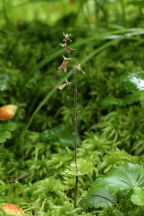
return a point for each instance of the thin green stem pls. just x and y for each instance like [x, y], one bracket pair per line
[76, 129]
[76, 135]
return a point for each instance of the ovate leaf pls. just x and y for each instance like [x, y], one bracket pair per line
[100, 199]
[61, 133]
[124, 177]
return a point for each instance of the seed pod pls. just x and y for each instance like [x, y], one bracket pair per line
[12, 209]
[7, 112]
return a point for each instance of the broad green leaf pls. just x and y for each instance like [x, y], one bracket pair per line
[138, 196]
[127, 177]
[123, 177]
[60, 133]
[4, 80]
[66, 135]
[83, 167]
[101, 199]
[133, 82]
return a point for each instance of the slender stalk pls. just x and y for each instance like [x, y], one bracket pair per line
[76, 135]
[76, 129]
[75, 69]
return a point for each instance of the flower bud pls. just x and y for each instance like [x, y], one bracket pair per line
[7, 112]
[12, 209]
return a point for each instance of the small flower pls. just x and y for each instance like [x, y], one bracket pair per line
[78, 68]
[63, 66]
[7, 112]
[66, 59]
[63, 45]
[68, 83]
[67, 37]
[61, 87]
[67, 48]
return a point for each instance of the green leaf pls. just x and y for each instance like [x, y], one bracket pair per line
[83, 167]
[101, 199]
[133, 82]
[4, 80]
[138, 196]
[122, 178]
[61, 133]
[5, 130]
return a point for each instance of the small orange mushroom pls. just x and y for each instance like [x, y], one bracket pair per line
[12, 209]
[7, 112]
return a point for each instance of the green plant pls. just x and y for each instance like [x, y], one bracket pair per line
[123, 181]
[75, 69]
